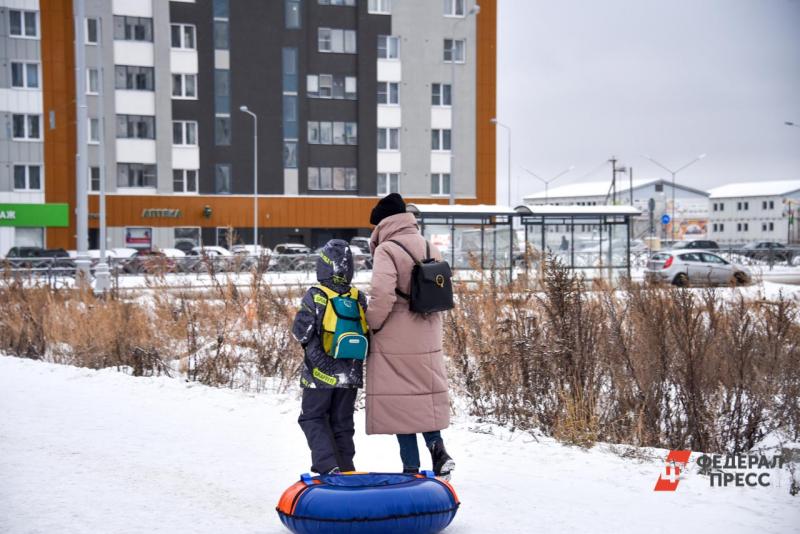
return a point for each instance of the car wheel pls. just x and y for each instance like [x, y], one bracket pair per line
[740, 279]
[681, 280]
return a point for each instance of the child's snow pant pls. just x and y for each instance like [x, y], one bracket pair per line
[326, 418]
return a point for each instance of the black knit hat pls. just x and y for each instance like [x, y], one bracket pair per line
[391, 204]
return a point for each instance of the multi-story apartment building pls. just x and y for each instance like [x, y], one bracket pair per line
[23, 213]
[353, 99]
[750, 211]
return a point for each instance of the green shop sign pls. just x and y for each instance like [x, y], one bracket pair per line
[34, 215]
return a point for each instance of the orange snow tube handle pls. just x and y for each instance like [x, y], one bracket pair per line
[289, 499]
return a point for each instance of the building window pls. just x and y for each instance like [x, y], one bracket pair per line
[441, 94]
[25, 127]
[381, 7]
[440, 184]
[94, 179]
[221, 35]
[721, 206]
[27, 177]
[388, 138]
[772, 204]
[454, 50]
[136, 127]
[331, 86]
[184, 133]
[91, 31]
[289, 117]
[771, 227]
[388, 93]
[440, 139]
[183, 36]
[222, 91]
[222, 178]
[454, 8]
[388, 183]
[136, 175]
[133, 28]
[332, 179]
[332, 133]
[134, 78]
[187, 238]
[23, 23]
[292, 14]
[290, 154]
[337, 2]
[222, 130]
[221, 10]
[290, 70]
[388, 47]
[24, 75]
[184, 86]
[94, 131]
[336, 40]
[184, 180]
[721, 227]
[714, 226]
[92, 81]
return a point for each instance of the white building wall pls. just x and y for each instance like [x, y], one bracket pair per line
[731, 224]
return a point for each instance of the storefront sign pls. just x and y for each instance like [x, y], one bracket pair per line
[161, 213]
[34, 215]
[139, 237]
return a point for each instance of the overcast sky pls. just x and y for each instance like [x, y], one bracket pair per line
[582, 80]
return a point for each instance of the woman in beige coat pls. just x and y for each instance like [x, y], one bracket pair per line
[406, 376]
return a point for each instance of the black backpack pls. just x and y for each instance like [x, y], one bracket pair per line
[431, 284]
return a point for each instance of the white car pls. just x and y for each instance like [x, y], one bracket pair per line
[695, 267]
[211, 251]
[251, 250]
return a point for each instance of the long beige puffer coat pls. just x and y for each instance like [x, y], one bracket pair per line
[406, 376]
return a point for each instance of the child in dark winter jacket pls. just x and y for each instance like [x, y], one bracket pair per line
[330, 385]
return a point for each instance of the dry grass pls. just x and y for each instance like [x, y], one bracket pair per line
[641, 365]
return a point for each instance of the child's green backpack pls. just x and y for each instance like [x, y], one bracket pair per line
[344, 326]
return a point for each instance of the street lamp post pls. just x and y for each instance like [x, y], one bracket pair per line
[508, 129]
[547, 182]
[473, 11]
[673, 173]
[245, 109]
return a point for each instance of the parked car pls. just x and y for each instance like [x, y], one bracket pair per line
[698, 267]
[245, 257]
[292, 257]
[40, 258]
[147, 261]
[696, 244]
[202, 259]
[768, 251]
[360, 242]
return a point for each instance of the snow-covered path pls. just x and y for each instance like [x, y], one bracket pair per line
[88, 451]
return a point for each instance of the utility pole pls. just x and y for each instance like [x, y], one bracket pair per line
[82, 262]
[613, 161]
[102, 282]
[630, 182]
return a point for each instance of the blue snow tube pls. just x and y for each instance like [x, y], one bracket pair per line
[362, 503]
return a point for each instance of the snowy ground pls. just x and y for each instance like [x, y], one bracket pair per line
[88, 451]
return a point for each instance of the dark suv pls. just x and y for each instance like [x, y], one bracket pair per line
[702, 244]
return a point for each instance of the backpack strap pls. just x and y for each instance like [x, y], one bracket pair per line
[399, 293]
[399, 244]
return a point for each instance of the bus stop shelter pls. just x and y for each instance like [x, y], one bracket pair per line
[470, 237]
[593, 239]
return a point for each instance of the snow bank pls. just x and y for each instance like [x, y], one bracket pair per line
[99, 451]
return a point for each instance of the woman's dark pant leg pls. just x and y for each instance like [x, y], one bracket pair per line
[409, 453]
[343, 427]
[314, 420]
[431, 438]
